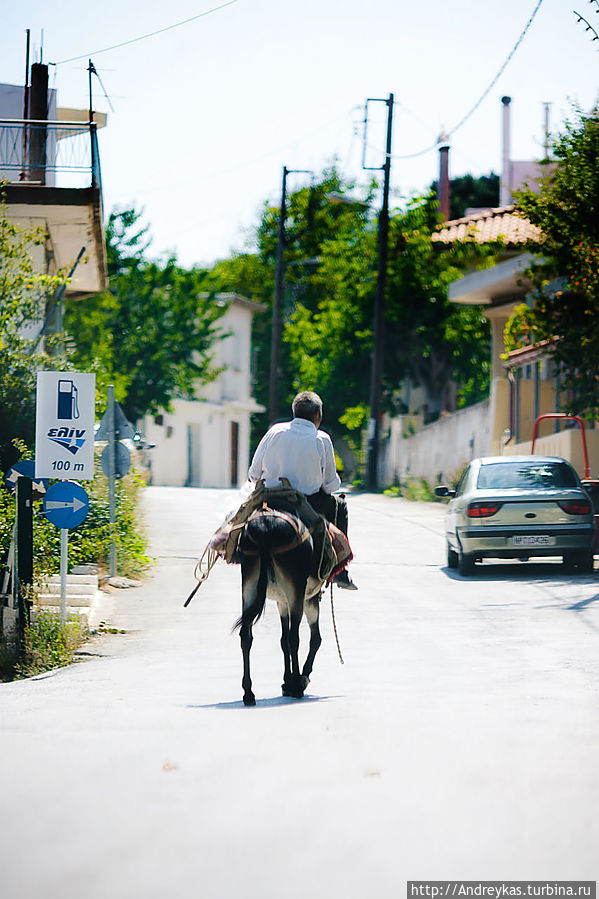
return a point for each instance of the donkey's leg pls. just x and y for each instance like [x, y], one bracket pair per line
[246, 644]
[312, 610]
[250, 573]
[297, 684]
[284, 615]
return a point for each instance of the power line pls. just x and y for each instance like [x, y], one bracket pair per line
[143, 37]
[483, 95]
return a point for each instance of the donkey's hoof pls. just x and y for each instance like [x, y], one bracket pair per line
[295, 686]
[249, 699]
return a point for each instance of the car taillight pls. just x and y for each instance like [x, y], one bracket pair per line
[579, 508]
[483, 510]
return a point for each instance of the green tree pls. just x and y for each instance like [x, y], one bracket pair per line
[565, 308]
[469, 191]
[330, 282]
[427, 338]
[24, 293]
[152, 332]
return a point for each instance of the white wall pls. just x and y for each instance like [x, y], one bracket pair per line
[437, 451]
[193, 442]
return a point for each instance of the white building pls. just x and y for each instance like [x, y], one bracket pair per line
[205, 442]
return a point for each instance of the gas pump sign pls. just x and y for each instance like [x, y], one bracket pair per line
[64, 426]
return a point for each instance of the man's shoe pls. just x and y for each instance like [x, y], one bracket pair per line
[343, 580]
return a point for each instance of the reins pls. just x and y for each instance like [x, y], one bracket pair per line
[335, 627]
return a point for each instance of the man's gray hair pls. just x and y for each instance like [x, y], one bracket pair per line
[307, 404]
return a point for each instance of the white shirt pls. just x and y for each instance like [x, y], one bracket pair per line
[296, 450]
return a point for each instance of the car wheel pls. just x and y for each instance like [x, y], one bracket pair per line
[465, 563]
[452, 557]
[585, 561]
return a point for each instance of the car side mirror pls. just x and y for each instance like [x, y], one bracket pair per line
[444, 491]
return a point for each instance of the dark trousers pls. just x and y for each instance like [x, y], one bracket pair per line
[334, 508]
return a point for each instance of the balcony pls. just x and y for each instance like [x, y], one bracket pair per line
[51, 174]
[50, 153]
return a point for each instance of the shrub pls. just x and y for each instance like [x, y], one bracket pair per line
[414, 489]
[90, 541]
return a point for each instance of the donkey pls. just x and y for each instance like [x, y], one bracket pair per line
[281, 560]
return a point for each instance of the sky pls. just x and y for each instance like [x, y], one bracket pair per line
[206, 114]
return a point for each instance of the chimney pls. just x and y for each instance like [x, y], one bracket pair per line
[38, 110]
[547, 136]
[505, 187]
[443, 194]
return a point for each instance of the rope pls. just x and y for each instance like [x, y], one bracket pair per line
[202, 570]
[335, 628]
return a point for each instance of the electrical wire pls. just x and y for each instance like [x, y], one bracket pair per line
[482, 96]
[143, 37]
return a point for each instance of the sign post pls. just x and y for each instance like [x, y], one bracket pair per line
[66, 505]
[64, 449]
[64, 425]
[115, 459]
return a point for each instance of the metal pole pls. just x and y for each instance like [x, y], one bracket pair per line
[23, 176]
[64, 563]
[111, 476]
[379, 316]
[275, 344]
[23, 556]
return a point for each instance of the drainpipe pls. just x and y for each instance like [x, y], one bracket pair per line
[505, 192]
[444, 179]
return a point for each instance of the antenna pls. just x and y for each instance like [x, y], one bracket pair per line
[93, 71]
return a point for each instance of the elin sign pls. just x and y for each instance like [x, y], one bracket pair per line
[64, 426]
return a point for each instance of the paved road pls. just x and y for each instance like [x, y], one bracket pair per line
[459, 740]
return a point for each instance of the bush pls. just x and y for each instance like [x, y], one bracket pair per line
[47, 644]
[414, 489]
[90, 542]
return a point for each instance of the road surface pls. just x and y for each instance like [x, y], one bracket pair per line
[459, 740]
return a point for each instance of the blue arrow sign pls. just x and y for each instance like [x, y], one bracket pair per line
[66, 504]
[26, 469]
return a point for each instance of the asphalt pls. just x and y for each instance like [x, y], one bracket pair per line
[459, 739]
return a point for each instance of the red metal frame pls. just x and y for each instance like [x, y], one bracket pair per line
[564, 415]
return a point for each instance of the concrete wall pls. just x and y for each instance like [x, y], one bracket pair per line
[567, 444]
[439, 450]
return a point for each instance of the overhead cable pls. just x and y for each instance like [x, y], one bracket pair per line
[143, 37]
[482, 96]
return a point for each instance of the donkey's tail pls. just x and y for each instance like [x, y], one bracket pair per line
[255, 610]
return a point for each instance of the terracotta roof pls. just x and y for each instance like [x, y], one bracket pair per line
[526, 354]
[488, 225]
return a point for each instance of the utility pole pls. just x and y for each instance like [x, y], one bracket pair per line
[275, 343]
[376, 372]
[277, 305]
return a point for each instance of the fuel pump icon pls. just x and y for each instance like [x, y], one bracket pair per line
[68, 402]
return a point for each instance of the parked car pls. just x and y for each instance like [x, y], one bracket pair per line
[515, 507]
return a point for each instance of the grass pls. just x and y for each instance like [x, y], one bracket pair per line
[414, 489]
[47, 643]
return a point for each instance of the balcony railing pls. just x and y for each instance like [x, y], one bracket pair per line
[56, 154]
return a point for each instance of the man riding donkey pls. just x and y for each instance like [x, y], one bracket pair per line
[298, 451]
[289, 536]
[293, 468]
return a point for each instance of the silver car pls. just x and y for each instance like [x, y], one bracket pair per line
[515, 507]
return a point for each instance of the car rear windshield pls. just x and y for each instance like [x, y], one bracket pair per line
[504, 475]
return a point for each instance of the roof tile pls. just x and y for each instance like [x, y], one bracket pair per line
[488, 225]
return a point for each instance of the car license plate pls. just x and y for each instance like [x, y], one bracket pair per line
[537, 540]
